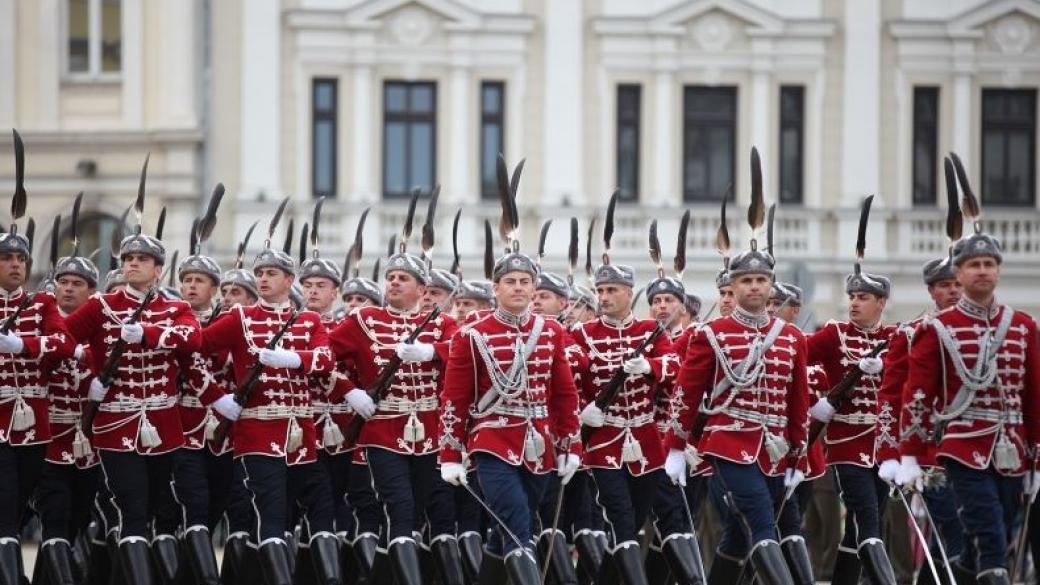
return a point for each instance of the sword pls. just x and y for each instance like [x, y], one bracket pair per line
[552, 535]
[1020, 542]
[693, 528]
[938, 540]
[494, 516]
[918, 531]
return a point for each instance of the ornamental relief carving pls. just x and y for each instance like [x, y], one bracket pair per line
[1014, 34]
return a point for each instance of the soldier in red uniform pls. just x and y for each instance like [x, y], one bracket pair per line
[473, 296]
[64, 497]
[138, 428]
[440, 292]
[972, 387]
[724, 282]
[624, 449]
[851, 436]
[275, 442]
[399, 432]
[31, 345]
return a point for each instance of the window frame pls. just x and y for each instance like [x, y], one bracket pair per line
[623, 122]
[919, 127]
[732, 125]
[409, 117]
[1006, 127]
[325, 116]
[94, 72]
[797, 124]
[486, 118]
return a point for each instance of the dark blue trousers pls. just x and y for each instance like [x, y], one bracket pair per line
[365, 508]
[20, 469]
[441, 514]
[65, 498]
[275, 486]
[864, 495]
[942, 506]
[988, 504]
[581, 511]
[513, 493]
[337, 469]
[239, 512]
[469, 516]
[753, 499]
[669, 510]
[201, 485]
[402, 484]
[626, 500]
[141, 492]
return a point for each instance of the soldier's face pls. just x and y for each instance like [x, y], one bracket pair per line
[751, 292]
[463, 307]
[514, 291]
[198, 290]
[615, 300]
[71, 292]
[273, 284]
[141, 270]
[319, 293]
[946, 293]
[865, 308]
[726, 301]
[402, 291]
[666, 307]
[355, 301]
[13, 267]
[788, 312]
[435, 296]
[236, 295]
[548, 303]
[979, 276]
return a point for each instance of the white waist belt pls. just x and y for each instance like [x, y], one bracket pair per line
[769, 420]
[8, 393]
[276, 412]
[611, 420]
[857, 418]
[136, 404]
[427, 404]
[532, 411]
[984, 414]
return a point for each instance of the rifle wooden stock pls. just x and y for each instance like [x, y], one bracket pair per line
[9, 323]
[245, 389]
[379, 388]
[108, 371]
[606, 396]
[840, 392]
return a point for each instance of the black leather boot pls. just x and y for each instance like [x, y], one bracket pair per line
[656, 566]
[561, 567]
[291, 547]
[522, 568]
[590, 554]
[961, 575]
[447, 560]
[11, 572]
[365, 553]
[348, 565]
[135, 557]
[231, 566]
[167, 558]
[57, 557]
[303, 566]
[492, 570]
[471, 549]
[796, 554]
[768, 562]
[846, 568]
[994, 577]
[628, 559]
[274, 562]
[725, 570]
[404, 561]
[875, 562]
[198, 548]
[39, 572]
[325, 556]
[99, 562]
[116, 576]
[683, 557]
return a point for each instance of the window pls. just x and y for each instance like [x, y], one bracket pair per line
[409, 136]
[323, 137]
[709, 142]
[95, 239]
[792, 143]
[1009, 146]
[628, 110]
[926, 139]
[95, 37]
[492, 135]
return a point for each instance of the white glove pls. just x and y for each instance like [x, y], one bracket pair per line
[823, 410]
[675, 466]
[871, 365]
[415, 352]
[132, 332]
[637, 366]
[566, 466]
[454, 473]
[793, 477]
[79, 353]
[228, 407]
[910, 473]
[888, 470]
[11, 343]
[1031, 484]
[592, 416]
[280, 358]
[361, 402]
[97, 390]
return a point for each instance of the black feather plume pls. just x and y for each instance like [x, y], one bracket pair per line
[391, 246]
[55, 239]
[508, 222]
[193, 237]
[240, 255]
[680, 248]
[304, 235]
[30, 233]
[315, 220]
[588, 249]
[428, 225]
[160, 226]
[970, 206]
[489, 254]
[375, 269]
[769, 229]
[608, 226]
[757, 208]
[20, 199]
[74, 224]
[572, 252]
[954, 217]
[409, 220]
[287, 245]
[119, 232]
[456, 264]
[273, 224]
[655, 249]
[358, 247]
[861, 232]
[139, 202]
[542, 235]
[209, 219]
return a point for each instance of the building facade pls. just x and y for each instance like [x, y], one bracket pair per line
[362, 100]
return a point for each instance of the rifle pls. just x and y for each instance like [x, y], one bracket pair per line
[839, 393]
[245, 389]
[13, 318]
[606, 396]
[108, 371]
[382, 383]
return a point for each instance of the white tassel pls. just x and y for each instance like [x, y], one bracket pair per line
[80, 444]
[414, 430]
[332, 436]
[211, 425]
[149, 436]
[295, 436]
[631, 451]
[24, 418]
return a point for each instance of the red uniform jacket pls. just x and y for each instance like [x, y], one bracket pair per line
[279, 405]
[851, 436]
[144, 387]
[696, 465]
[368, 337]
[68, 385]
[819, 385]
[777, 400]
[331, 412]
[23, 377]
[629, 438]
[537, 407]
[890, 396]
[202, 380]
[1003, 414]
